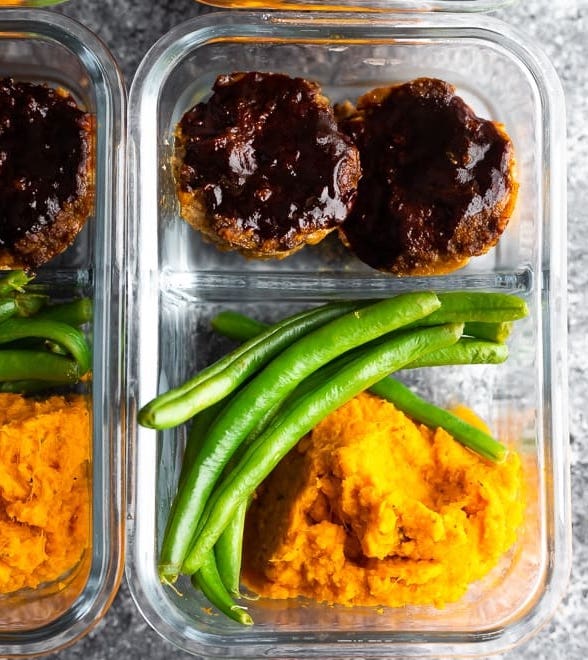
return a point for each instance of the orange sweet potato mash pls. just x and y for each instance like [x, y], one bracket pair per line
[44, 488]
[373, 509]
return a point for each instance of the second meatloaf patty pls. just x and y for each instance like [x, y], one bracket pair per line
[262, 168]
[438, 186]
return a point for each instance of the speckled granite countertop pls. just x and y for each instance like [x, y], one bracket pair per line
[129, 27]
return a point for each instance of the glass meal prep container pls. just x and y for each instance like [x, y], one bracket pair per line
[179, 282]
[30, 3]
[364, 5]
[44, 47]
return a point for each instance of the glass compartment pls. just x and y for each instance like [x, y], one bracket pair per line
[48, 48]
[179, 282]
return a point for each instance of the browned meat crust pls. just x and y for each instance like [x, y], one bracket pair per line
[46, 172]
[262, 168]
[438, 185]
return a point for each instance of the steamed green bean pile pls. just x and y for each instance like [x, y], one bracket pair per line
[41, 343]
[251, 407]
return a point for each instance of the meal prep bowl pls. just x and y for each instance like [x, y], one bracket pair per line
[179, 282]
[40, 46]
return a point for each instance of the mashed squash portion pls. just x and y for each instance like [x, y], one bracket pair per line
[44, 488]
[373, 509]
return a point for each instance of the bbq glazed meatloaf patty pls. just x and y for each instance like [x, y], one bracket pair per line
[438, 185]
[262, 168]
[46, 172]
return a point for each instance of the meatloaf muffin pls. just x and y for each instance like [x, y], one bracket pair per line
[46, 172]
[437, 187]
[262, 168]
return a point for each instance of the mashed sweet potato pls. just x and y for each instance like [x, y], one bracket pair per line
[372, 509]
[44, 488]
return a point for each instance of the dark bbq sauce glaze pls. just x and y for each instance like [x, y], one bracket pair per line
[437, 184]
[268, 155]
[41, 149]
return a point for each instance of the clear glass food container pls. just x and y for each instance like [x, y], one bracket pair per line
[364, 5]
[41, 46]
[30, 3]
[179, 282]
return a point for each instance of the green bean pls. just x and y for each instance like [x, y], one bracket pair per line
[468, 306]
[486, 316]
[221, 378]
[75, 312]
[291, 424]
[7, 308]
[227, 360]
[21, 304]
[24, 365]
[198, 430]
[29, 304]
[498, 332]
[14, 281]
[466, 351]
[228, 550]
[207, 579]
[235, 325]
[71, 339]
[267, 389]
[229, 547]
[426, 413]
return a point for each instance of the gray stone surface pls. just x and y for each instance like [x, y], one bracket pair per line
[129, 27]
